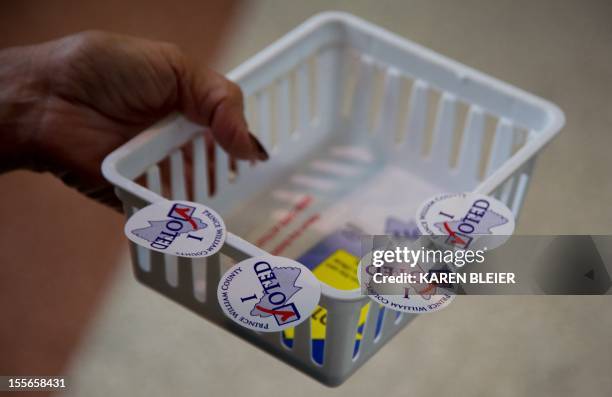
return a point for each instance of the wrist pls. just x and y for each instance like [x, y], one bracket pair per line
[21, 93]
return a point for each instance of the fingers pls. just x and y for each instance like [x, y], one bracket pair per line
[230, 130]
[208, 98]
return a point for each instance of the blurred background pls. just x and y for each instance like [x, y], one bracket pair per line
[69, 302]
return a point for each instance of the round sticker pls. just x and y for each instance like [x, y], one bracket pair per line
[180, 228]
[465, 221]
[413, 298]
[268, 294]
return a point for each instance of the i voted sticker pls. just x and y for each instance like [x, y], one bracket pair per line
[414, 298]
[180, 228]
[268, 294]
[465, 221]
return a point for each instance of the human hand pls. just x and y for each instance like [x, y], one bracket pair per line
[66, 104]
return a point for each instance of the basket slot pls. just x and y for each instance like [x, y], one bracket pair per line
[141, 254]
[362, 96]
[370, 336]
[301, 341]
[505, 191]
[519, 193]
[376, 97]
[213, 275]
[185, 278]
[200, 169]
[348, 82]
[157, 276]
[154, 179]
[303, 98]
[471, 144]
[443, 131]
[512, 191]
[417, 117]
[521, 185]
[140, 258]
[271, 338]
[313, 72]
[177, 176]
[171, 269]
[198, 270]
[327, 66]
[389, 110]
[390, 321]
[264, 130]
[398, 318]
[342, 320]
[283, 111]
[502, 145]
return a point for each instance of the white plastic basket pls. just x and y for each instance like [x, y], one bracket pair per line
[341, 105]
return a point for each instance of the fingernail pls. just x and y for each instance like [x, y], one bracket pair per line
[262, 154]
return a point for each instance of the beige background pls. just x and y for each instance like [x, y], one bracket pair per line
[142, 344]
